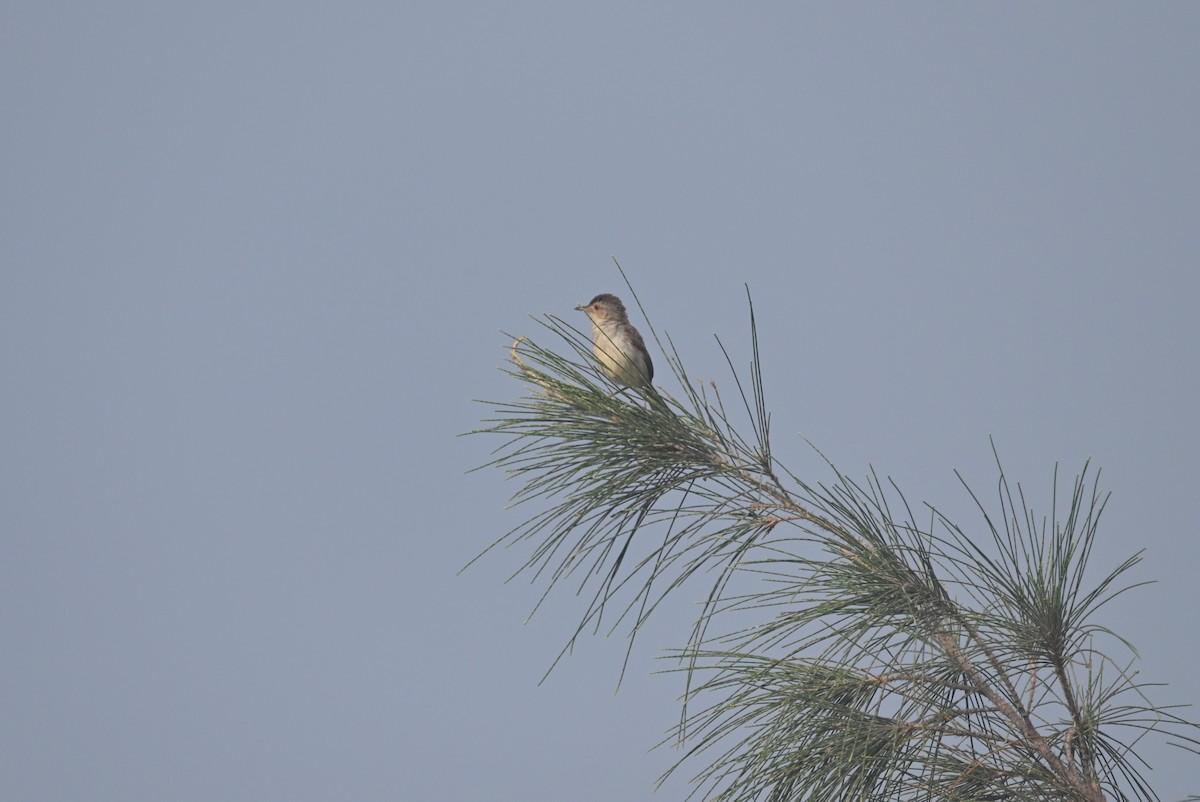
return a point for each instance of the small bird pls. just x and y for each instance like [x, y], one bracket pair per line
[617, 345]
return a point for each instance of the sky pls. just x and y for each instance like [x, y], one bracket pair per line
[256, 260]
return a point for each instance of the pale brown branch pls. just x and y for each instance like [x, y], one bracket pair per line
[1089, 789]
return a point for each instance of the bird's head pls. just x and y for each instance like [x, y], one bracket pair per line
[604, 307]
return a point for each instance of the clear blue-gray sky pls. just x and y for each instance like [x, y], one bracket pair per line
[254, 259]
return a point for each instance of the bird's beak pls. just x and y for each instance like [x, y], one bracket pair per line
[581, 309]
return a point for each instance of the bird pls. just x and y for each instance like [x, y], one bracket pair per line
[616, 344]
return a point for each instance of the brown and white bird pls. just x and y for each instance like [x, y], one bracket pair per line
[617, 345]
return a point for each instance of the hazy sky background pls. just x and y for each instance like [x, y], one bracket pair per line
[254, 262]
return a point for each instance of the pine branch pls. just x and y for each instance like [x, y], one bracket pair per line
[886, 659]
